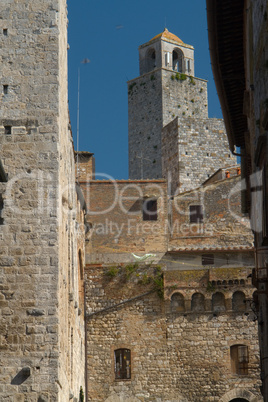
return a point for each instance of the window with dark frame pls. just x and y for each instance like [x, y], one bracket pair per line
[1, 209]
[239, 359]
[122, 364]
[149, 209]
[7, 130]
[5, 31]
[5, 89]
[208, 259]
[196, 214]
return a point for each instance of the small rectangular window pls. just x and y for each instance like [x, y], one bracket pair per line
[149, 209]
[122, 364]
[5, 89]
[196, 214]
[1, 209]
[239, 359]
[8, 130]
[208, 259]
[5, 31]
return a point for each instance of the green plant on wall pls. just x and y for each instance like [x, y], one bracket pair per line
[158, 281]
[131, 86]
[192, 81]
[130, 269]
[210, 287]
[145, 279]
[180, 77]
[112, 272]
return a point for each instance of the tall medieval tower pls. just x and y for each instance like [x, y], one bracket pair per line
[166, 92]
[41, 329]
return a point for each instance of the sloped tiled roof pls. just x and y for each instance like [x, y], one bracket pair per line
[167, 35]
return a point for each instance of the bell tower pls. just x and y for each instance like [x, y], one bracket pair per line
[166, 92]
[166, 51]
[154, 99]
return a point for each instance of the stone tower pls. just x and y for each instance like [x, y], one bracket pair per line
[165, 90]
[41, 325]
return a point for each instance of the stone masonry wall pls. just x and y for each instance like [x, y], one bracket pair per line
[154, 100]
[178, 356]
[223, 224]
[183, 96]
[192, 150]
[145, 123]
[37, 153]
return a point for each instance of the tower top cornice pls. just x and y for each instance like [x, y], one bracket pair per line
[167, 35]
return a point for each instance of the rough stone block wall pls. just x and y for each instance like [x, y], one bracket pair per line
[185, 97]
[36, 151]
[193, 149]
[223, 223]
[154, 100]
[145, 123]
[180, 356]
[115, 213]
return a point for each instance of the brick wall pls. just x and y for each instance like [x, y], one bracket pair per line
[115, 213]
[193, 149]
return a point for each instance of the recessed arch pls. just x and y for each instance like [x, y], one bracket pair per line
[150, 59]
[198, 302]
[178, 60]
[177, 303]
[240, 393]
[218, 302]
[239, 301]
[239, 400]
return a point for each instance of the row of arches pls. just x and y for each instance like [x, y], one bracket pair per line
[228, 283]
[218, 302]
[177, 62]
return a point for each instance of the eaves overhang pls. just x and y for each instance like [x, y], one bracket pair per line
[225, 34]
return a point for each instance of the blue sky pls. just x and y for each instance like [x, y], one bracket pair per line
[108, 33]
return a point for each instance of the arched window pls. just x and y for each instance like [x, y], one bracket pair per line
[239, 400]
[150, 59]
[218, 302]
[238, 301]
[198, 302]
[178, 60]
[177, 303]
[239, 359]
[81, 269]
[122, 364]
